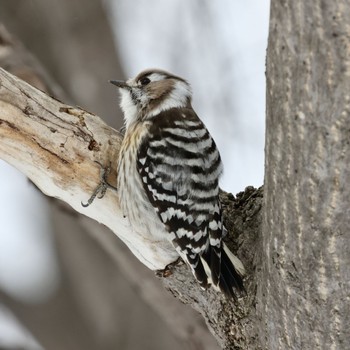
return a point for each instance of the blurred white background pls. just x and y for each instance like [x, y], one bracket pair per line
[219, 47]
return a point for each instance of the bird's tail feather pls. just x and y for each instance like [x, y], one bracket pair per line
[232, 273]
[226, 275]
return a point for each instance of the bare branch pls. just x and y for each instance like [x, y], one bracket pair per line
[56, 147]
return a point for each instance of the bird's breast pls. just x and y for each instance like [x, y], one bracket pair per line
[133, 199]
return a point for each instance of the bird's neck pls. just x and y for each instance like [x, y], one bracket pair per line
[178, 97]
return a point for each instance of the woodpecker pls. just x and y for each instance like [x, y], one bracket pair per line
[168, 178]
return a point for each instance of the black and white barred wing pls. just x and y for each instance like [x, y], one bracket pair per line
[180, 165]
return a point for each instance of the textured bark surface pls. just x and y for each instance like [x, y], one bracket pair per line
[39, 132]
[303, 301]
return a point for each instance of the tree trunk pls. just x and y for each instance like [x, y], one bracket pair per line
[303, 294]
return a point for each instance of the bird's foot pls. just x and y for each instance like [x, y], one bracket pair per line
[102, 187]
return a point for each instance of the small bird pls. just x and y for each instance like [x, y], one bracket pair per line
[168, 178]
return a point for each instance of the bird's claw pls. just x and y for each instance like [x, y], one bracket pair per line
[102, 187]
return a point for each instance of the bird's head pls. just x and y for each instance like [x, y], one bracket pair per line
[151, 92]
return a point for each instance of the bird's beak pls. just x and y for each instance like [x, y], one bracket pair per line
[120, 83]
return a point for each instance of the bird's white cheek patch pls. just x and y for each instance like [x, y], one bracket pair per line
[128, 107]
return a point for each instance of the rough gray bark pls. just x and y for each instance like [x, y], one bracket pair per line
[304, 286]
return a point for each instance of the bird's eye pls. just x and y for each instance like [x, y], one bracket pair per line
[145, 81]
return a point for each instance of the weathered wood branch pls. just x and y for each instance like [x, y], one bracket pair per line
[56, 146]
